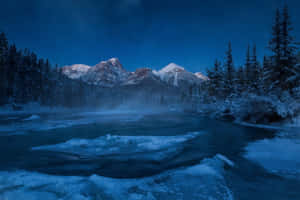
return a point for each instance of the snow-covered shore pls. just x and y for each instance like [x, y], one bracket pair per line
[255, 110]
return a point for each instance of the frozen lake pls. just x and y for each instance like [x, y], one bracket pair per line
[143, 156]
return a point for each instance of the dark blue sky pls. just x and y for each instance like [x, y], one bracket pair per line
[150, 33]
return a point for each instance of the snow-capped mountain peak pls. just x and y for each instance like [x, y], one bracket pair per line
[177, 76]
[114, 62]
[111, 73]
[75, 71]
[107, 73]
[172, 67]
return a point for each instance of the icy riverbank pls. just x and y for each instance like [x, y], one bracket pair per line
[205, 181]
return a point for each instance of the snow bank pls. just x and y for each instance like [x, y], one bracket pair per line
[278, 155]
[151, 147]
[199, 182]
[254, 109]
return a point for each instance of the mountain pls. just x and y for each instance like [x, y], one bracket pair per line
[111, 73]
[177, 76]
[106, 73]
[75, 71]
[142, 76]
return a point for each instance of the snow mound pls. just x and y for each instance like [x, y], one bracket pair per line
[32, 117]
[278, 155]
[205, 181]
[148, 147]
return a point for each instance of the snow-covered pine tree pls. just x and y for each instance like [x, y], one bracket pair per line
[241, 81]
[266, 74]
[219, 77]
[216, 80]
[211, 85]
[288, 48]
[229, 71]
[275, 47]
[255, 71]
[248, 71]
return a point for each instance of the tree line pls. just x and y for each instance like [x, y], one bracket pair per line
[278, 74]
[26, 78]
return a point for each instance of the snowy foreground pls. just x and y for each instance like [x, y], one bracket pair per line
[205, 181]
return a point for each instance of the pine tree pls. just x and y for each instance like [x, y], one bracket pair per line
[3, 68]
[12, 72]
[283, 72]
[266, 74]
[248, 70]
[289, 59]
[255, 70]
[241, 81]
[229, 71]
[275, 43]
[216, 77]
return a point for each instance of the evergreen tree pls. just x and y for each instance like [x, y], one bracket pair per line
[229, 71]
[248, 70]
[275, 43]
[3, 68]
[283, 71]
[12, 72]
[255, 70]
[289, 59]
[241, 81]
[266, 74]
[216, 78]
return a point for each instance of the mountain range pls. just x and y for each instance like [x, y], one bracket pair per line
[111, 73]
